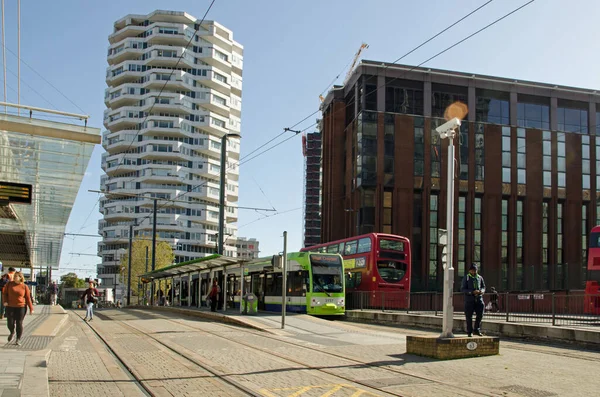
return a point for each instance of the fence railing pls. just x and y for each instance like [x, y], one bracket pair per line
[557, 308]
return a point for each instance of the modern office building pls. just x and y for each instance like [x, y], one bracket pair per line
[174, 90]
[311, 148]
[527, 181]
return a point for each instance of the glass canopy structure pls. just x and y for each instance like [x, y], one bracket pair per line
[52, 157]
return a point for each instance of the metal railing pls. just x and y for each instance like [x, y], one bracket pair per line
[555, 308]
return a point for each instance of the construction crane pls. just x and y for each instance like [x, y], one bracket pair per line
[363, 46]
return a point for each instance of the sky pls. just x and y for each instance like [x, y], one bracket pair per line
[292, 52]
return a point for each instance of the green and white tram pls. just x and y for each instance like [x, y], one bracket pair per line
[315, 284]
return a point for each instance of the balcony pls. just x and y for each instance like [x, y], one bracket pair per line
[218, 36]
[162, 175]
[127, 31]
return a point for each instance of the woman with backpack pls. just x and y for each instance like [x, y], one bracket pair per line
[90, 297]
[16, 299]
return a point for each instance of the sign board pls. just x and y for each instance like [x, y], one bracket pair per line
[355, 263]
[523, 297]
[15, 192]
[538, 296]
[471, 346]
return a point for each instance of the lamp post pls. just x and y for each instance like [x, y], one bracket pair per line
[447, 130]
[222, 188]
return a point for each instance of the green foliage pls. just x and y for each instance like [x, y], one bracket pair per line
[164, 258]
[70, 280]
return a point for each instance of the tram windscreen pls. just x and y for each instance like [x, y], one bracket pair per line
[327, 272]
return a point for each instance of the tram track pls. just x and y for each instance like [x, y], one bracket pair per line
[354, 361]
[141, 383]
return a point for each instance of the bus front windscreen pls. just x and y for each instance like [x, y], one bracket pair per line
[391, 271]
[595, 240]
[327, 272]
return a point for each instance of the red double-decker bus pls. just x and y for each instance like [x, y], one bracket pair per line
[377, 263]
[592, 285]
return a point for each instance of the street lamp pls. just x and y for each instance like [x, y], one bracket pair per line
[448, 130]
[222, 188]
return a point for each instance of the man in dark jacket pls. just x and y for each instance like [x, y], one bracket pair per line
[473, 287]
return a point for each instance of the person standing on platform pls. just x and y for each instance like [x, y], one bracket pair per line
[16, 298]
[214, 296]
[473, 287]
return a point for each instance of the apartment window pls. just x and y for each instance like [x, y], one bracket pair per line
[572, 120]
[433, 240]
[545, 249]
[492, 107]
[217, 122]
[520, 257]
[521, 156]
[436, 149]
[506, 155]
[444, 96]
[388, 145]
[562, 159]
[504, 248]
[419, 159]
[370, 92]
[387, 212]
[219, 100]
[462, 234]
[463, 140]
[220, 77]
[477, 223]
[221, 55]
[559, 283]
[547, 160]
[367, 211]
[366, 156]
[585, 162]
[479, 153]
[533, 115]
[584, 243]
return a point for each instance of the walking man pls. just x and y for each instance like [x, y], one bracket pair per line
[473, 287]
[53, 293]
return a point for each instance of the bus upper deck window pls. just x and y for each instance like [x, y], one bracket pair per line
[364, 245]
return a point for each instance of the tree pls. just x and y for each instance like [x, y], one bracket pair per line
[164, 257]
[70, 280]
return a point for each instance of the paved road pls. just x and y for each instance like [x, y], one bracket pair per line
[174, 355]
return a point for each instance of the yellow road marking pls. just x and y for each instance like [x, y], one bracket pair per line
[332, 391]
[299, 392]
[358, 393]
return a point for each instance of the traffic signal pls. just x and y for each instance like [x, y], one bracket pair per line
[276, 261]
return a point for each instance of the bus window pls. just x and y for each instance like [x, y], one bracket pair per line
[353, 279]
[364, 245]
[595, 240]
[391, 245]
[391, 271]
[350, 247]
[333, 249]
[341, 248]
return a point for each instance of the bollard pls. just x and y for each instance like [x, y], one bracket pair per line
[553, 310]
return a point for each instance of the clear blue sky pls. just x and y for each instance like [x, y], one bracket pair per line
[292, 52]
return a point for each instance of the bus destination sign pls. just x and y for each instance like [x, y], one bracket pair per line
[15, 192]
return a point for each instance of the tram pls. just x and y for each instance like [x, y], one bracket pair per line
[315, 283]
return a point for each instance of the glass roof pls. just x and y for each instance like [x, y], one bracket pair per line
[52, 157]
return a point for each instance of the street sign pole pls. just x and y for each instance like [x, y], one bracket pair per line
[284, 281]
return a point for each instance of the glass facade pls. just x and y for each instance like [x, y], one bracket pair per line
[366, 156]
[547, 159]
[417, 239]
[572, 120]
[561, 155]
[436, 150]
[585, 162]
[477, 224]
[506, 155]
[585, 229]
[479, 153]
[444, 96]
[388, 146]
[533, 115]
[54, 167]
[492, 107]
[521, 156]
[463, 140]
[433, 241]
[402, 99]
[545, 249]
[419, 159]
[520, 282]
[560, 276]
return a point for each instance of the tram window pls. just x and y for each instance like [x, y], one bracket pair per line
[273, 287]
[364, 245]
[297, 283]
[351, 247]
[353, 279]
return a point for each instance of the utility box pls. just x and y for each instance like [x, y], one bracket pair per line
[250, 304]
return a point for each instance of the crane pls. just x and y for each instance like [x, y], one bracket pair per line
[363, 46]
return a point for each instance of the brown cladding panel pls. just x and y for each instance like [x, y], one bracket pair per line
[403, 175]
[492, 203]
[380, 174]
[532, 217]
[572, 216]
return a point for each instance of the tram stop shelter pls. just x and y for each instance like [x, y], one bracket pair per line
[42, 164]
[188, 283]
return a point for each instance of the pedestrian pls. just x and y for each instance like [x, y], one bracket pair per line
[473, 287]
[90, 297]
[493, 305]
[16, 298]
[214, 296]
[53, 293]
